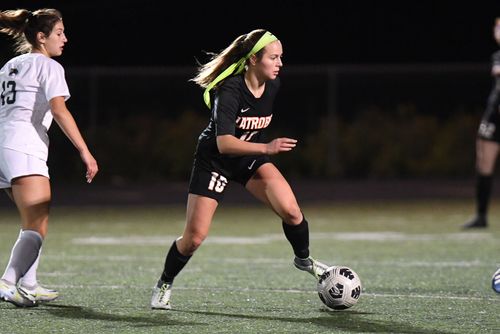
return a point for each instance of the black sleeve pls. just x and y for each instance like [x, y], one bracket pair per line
[225, 109]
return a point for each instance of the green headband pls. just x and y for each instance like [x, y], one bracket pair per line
[237, 68]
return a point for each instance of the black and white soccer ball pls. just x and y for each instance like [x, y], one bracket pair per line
[339, 287]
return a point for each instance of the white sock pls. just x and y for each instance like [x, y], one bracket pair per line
[24, 254]
[29, 279]
[10, 275]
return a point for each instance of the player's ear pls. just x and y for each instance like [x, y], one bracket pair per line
[40, 37]
[253, 60]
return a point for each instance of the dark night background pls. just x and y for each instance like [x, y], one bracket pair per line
[116, 33]
[372, 89]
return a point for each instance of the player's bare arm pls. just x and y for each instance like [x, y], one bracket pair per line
[228, 144]
[68, 125]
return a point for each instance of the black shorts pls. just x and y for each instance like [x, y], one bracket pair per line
[210, 178]
[489, 128]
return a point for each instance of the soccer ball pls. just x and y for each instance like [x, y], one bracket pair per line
[339, 287]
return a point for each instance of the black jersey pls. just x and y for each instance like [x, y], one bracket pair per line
[494, 97]
[489, 128]
[236, 111]
[495, 59]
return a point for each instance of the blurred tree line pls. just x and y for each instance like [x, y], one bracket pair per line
[362, 124]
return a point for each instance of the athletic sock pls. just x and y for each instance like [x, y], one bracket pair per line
[484, 185]
[298, 236]
[23, 255]
[30, 278]
[174, 262]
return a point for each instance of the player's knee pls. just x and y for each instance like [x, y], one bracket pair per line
[483, 168]
[38, 225]
[195, 243]
[292, 215]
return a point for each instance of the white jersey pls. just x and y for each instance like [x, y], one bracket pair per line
[27, 83]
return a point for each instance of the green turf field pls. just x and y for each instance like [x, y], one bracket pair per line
[420, 273]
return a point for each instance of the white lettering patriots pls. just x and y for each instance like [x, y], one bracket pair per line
[253, 123]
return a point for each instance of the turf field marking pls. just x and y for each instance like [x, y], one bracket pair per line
[274, 261]
[389, 295]
[297, 291]
[267, 238]
[400, 236]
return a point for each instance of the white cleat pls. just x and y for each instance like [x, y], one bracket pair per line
[310, 265]
[10, 293]
[161, 296]
[38, 293]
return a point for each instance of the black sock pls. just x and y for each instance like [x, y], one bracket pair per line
[298, 236]
[174, 262]
[484, 185]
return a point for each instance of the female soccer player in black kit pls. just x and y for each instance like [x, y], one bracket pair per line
[240, 83]
[487, 143]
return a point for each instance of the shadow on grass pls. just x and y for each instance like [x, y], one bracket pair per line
[349, 321]
[157, 318]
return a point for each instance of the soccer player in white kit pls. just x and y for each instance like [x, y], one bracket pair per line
[33, 92]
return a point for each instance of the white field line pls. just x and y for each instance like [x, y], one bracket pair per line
[258, 261]
[238, 289]
[268, 238]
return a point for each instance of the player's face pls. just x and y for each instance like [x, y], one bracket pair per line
[270, 63]
[54, 44]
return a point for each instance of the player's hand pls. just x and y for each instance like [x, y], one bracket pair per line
[91, 165]
[280, 145]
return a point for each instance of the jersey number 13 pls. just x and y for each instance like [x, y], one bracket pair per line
[8, 88]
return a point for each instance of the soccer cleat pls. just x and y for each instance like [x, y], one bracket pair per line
[38, 293]
[310, 265]
[495, 281]
[477, 222]
[10, 293]
[161, 296]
